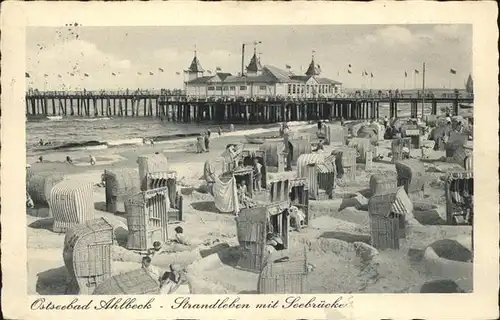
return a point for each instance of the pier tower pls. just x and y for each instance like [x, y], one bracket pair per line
[254, 68]
[314, 69]
[195, 70]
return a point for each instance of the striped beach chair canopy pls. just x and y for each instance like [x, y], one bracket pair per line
[71, 203]
[391, 201]
[460, 186]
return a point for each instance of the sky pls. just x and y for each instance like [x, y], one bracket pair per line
[386, 51]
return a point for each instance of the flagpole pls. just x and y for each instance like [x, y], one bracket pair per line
[423, 89]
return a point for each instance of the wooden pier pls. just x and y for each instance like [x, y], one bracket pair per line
[182, 109]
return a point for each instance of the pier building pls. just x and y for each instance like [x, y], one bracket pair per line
[260, 82]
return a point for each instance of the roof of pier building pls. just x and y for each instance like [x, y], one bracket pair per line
[314, 69]
[266, 74]
[195, 65]
[254, 65]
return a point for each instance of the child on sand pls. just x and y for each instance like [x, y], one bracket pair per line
[153, 271]
[180, 237]
[155, 249]
[171, 280]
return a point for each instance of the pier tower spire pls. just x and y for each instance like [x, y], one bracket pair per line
[254, 68]
[195, 70]
[313, 69]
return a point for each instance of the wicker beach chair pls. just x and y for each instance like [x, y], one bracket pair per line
[248, 157]
[87, 255]
[275, 154]
[150, 163]
[253, 225]
[388, 211]
[362, 146]
[334, 134]
[71, 202]
[459, 191]
[413, 132]
[167, 179]
[454, 148]
[284, 276]
[294, 149]
[39, 185]
[319, 173]
[397, 146]
[380, 183]
[135, 282]
[285, 186]
[147, 218]
[345, 162]
[411, 175]
[120, 185]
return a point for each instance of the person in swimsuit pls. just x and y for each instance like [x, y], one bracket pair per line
[257, 174]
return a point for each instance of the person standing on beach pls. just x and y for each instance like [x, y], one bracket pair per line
[231, 127]
[257, 174]
[207, 141]
[209, 132]
[220, 131]
[92, 160]
[199, 144]
[40, 159]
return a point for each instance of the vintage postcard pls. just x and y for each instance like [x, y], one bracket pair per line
[249, 160]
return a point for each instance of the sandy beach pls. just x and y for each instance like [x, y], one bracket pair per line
[210, 262]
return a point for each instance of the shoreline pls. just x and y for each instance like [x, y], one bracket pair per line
[180, 154]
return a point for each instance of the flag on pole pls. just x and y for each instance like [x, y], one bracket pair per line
[416, 71]
[288, 66]
[160, 69]
[452, 71]
[27, 75]
[150, 73]
[406, 74]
